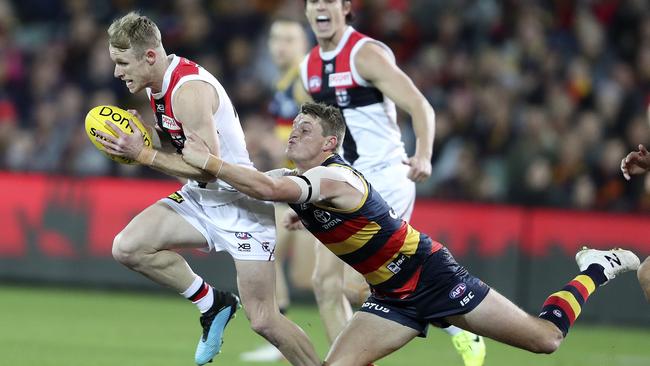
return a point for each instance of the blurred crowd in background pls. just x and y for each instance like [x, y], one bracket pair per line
[536, 102]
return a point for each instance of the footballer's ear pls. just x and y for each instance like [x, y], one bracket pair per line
[150, 56]
[331, 142]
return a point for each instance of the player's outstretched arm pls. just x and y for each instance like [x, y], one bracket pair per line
[375, 65]
[248, 181]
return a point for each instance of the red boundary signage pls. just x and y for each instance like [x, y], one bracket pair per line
[77, 217]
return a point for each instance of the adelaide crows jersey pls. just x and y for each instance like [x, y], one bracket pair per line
[371, 238]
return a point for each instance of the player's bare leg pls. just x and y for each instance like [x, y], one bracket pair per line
[355, 287]
[334, 307]
[644, 277]
[296, 244]
[368, 338]
[145, 245]
[498, 318]
[256, 281]
[303, 260]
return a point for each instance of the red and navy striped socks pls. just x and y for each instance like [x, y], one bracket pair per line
[563, 307]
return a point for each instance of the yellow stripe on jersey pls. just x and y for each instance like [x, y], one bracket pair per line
[356, 241]
[363, 200]
[409, 248]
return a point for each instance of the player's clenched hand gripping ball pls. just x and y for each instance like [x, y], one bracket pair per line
[96, 126]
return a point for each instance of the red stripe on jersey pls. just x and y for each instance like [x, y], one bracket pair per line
[408, 287]
[435, 246]
[314, 71]
[343, 231]
[343, 58]
[392, 246]
[184, 67]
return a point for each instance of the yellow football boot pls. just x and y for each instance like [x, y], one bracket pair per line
[471, 347]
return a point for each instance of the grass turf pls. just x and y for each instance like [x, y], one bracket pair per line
[54, 327]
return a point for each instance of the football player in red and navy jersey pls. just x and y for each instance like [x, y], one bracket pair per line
[358, 74]
[414, 280]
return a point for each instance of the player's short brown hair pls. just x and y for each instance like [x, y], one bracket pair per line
[331, 120]
[134, 31]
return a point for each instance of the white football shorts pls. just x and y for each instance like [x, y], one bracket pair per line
[238, 224]
[392, 183]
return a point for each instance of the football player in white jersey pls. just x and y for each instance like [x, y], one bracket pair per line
[359, 75]
[287, 45]
[204, 214]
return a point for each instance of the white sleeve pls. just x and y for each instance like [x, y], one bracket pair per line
[309, 182]
[303, 73]
[280, 172]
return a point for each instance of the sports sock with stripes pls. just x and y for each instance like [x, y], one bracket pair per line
[200, 294]
[562, 308]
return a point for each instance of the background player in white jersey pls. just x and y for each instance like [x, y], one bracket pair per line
[358, 74]
[203, 214]
[287, 45]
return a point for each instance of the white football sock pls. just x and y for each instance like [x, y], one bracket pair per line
[452, 330]
[200, 293]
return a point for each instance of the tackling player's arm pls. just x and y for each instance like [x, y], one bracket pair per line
[375, 65]
[315, 185]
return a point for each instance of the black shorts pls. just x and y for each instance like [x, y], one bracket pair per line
[444, 288]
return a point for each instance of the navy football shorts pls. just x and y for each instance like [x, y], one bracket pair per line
[444, 288]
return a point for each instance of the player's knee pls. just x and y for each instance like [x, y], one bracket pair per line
[261, 325]
[261, 315]
[125, 251]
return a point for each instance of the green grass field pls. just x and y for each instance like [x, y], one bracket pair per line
[43, 327]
